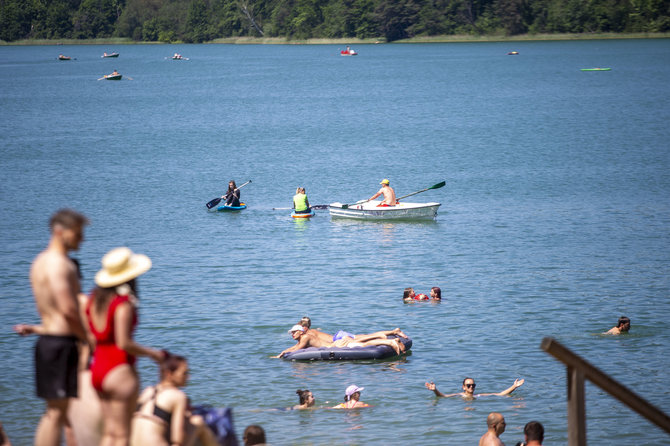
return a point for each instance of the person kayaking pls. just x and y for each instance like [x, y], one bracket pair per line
[300, 202]
[388, 192]
[232, 196]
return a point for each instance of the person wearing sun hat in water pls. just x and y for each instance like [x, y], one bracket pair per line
[111, 316]
[351, 398]
[388, 192]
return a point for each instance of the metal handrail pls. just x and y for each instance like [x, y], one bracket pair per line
[578, 371]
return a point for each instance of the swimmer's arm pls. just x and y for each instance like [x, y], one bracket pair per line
[517, 383]
[62, 276]
[123, 320]
[431, 386]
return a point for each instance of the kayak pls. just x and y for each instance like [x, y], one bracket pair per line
[225, 208]
[346, 353]
[372, 211]
[303, 215]
[110, 55]
[596, 69]
[113, 77]
[61, 57]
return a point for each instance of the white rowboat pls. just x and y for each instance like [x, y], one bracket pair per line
[372, 211]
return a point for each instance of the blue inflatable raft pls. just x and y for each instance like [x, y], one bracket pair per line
[346, 353]
[231, 208]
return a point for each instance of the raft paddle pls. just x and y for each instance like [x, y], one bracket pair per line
[435, 186]
[217, 200]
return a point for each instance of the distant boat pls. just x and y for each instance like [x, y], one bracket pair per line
[110, 55]
[513, 53]
[596, 69]
[348, 52]
[179, 57]
[113, 77]
[61, 57]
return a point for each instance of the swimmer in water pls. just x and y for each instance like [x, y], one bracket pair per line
[306, 399]
[352, 398]
[469, 389]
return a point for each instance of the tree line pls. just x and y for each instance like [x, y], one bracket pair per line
[195, 21]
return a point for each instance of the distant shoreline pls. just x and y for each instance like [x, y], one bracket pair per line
[354, 41]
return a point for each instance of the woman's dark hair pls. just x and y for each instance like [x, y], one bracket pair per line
[171, 363]
[438, 292]
[102, 296]
[405, 294]
[303, 395]
[253, 434]
[305, 322]
[233, 187]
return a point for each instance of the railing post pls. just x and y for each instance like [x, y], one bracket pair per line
[576, 408]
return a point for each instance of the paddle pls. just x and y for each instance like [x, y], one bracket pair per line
[316, 206]
[435, 186]
[217, 200]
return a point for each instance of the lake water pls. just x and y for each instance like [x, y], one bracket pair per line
[555, 221]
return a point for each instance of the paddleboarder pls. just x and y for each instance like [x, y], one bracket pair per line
[232, 196]
[300, 201]
[388, 192]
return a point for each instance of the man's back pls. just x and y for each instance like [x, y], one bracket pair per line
[490, 439]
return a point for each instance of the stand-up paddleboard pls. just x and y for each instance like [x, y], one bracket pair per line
[224, 208]
[303, 214]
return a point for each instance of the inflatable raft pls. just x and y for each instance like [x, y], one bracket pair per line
[303, 215]
[346, 353]
[231, 208]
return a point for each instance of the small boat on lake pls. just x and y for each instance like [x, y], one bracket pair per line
[61, 57]
[372, 210]
[178, 56]
[113, 77]
[348, 52]
[104, 55]
[513, 53]
[596, 69]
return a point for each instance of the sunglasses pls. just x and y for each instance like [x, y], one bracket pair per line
[470, 385]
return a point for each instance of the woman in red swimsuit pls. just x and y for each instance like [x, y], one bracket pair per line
[112, 316]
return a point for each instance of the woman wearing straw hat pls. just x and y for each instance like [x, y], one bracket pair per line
[112, 316]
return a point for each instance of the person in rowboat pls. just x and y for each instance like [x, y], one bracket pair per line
[388, 192]
[232, 196]
[300, 202]
[341, 339]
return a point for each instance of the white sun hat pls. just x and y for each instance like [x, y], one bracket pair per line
[121, 265]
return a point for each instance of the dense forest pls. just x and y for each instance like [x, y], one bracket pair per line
[205, 20]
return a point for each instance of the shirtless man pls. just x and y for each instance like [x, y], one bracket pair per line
[623, 325]
[469, 389]
[496, 424]
[306, 337]
[388, 192]
[55, 282]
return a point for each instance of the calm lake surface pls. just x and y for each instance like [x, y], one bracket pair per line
[555, 221]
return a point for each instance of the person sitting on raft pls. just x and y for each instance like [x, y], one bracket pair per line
[306, 399]
[162, 416]
[342, 339]
[469, 389]
[232, 196]
[300, 202]
[351, 398]
[388, 192]
[409, 295]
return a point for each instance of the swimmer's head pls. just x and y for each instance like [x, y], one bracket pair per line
[624, 323]
[305, 322]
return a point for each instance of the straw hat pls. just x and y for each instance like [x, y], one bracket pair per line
[121, 265]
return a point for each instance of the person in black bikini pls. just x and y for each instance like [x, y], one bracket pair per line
[163, 417]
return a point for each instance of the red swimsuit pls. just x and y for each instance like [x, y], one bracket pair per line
[107, 355]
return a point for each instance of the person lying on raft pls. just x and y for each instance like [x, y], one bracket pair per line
[351, 398]
[469, 389]
[312, 338]
[306, 399]
[325, 337]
